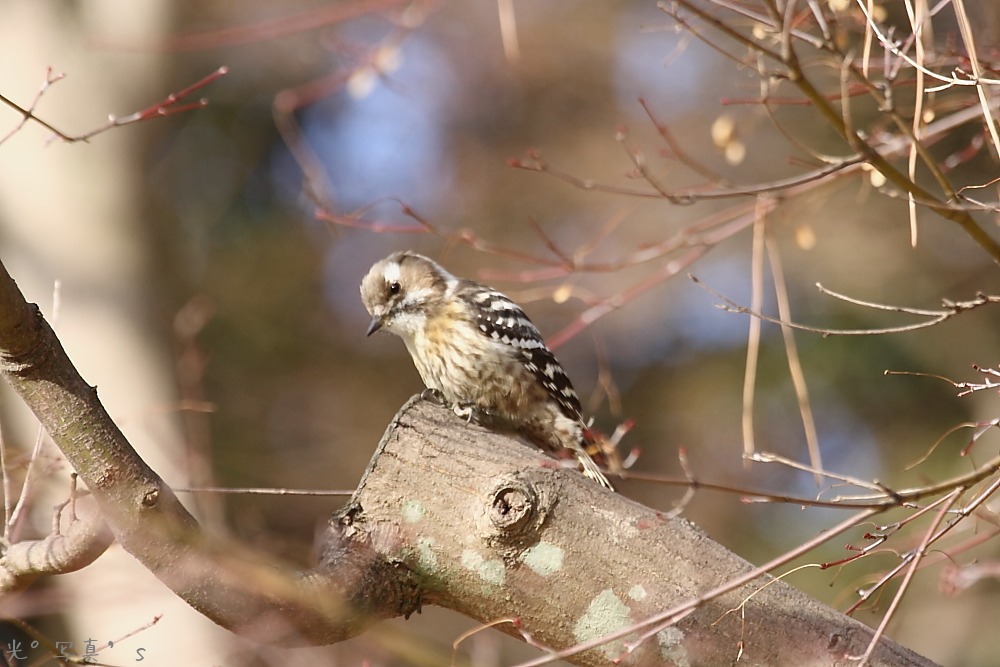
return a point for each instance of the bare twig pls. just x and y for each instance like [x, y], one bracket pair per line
[795, 73]
[917, 23]
[166, 107]
[28, 113]
[753, 335]
[965, 28]
[794, 363]
[677, 151]
[951, 309]
[264, 491]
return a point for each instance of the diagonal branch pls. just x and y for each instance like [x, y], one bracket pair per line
[586, 573]
[246, 592]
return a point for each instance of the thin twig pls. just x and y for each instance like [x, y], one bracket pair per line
[917, 21]
[677, 151]
[965, 28]
[917, 554]
[767, 457]
[951, 309]
[891, 45]
[166, 107]
[29, 113]
[251, 490]
[753, 335]
[794, 362]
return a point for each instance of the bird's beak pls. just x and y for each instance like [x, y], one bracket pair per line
[375, 325]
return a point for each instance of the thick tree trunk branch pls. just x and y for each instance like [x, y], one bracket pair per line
[496, 530]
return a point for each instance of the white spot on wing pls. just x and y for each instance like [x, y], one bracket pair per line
[501, 303]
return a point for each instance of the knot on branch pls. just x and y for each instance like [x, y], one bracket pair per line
[24, 348]
[150, 498]
[513, 506]
[517, 507]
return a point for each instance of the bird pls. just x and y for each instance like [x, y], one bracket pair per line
[478, 351]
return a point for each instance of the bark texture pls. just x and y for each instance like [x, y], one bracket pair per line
[497, 530]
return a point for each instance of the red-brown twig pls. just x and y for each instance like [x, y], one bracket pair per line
[172, 104]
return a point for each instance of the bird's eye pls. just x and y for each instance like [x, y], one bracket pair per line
[394, 287]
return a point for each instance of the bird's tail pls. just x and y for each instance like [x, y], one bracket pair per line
[590, 468]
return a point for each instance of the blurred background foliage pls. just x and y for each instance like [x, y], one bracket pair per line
[253, 303]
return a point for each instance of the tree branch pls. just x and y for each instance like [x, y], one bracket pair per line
[82, 542]
[248, 593]
[497, 530]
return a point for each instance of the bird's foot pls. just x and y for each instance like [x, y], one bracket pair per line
[466, 411]
[434, 395]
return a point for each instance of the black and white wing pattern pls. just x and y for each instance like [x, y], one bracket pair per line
[503, 320]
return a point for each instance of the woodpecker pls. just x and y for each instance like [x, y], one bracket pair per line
[478, 350]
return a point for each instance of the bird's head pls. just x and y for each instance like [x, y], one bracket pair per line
[400, 291]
